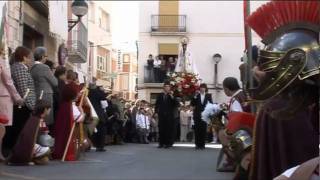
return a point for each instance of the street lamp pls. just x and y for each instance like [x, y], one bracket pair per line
[216, 58]
[78, 8]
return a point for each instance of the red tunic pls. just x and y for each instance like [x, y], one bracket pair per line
[64, 123]
[62, 131]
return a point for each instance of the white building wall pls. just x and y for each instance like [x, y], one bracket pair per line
[99, 36]
[212, 27]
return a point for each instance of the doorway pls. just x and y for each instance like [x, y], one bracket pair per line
[32, 38]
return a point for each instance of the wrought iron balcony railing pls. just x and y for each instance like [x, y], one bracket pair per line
[102, 75]
[154, 75]
[77, 46]
[41, 6]
[168, 23]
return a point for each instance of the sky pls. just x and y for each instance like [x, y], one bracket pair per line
[125, 24]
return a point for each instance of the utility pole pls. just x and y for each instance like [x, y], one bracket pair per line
[137, 64]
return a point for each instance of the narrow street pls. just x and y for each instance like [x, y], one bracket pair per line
[130, 161]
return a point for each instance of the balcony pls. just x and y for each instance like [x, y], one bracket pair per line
[155, 75]
[168, 25]
[41, 6]
[77, 46]
[102, 75]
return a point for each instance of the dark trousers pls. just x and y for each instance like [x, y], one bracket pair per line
[20, 117]
[116, 131]
[178, 130]
[157, 74]
[200, 129]
[100, 136]
[167, 129]
[143, 135]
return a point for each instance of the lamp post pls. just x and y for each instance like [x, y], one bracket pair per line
[216, 59]
[79, 8]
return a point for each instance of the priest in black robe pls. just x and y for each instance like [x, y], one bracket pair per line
[166, 104]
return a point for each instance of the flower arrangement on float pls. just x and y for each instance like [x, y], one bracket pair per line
[184, 84]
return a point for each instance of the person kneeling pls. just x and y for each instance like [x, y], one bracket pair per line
[26, 150]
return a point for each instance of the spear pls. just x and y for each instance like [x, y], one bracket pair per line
[248, 45]
[85, 93]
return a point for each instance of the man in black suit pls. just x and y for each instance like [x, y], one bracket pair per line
[199, 103]
[98, 99]
[166, 103]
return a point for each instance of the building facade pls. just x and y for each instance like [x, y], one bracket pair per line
[211, 27]
[125, 79]
[100, 41]
[77, 46]
[28, 25]
[34, 23]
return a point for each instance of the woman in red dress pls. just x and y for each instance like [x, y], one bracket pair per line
[67, 115]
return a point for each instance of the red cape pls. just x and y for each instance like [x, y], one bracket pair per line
[22, 152]
[63, 125]
[240, 120]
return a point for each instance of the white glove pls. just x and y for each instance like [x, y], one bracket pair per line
[104, 104]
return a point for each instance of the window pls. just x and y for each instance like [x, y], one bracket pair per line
[91, 57]
[153, 97]
[91, 14]
[168, 48]
[126, 58]
[124, 79]
[107, 60]
[101, 63]
[104, 21]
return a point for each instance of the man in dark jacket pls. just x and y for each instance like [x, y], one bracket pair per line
[114, 122]
[98, 99]
[166, 104]
[44, 81]
[199, 102]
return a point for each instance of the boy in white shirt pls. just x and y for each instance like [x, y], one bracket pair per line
[143, 126]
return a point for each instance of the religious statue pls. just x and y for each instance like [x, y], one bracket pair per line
[185, 62]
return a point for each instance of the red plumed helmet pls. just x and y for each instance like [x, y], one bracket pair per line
[3, 119]
[240, 120]
[276, 17]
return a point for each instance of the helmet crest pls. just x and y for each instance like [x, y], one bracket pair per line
[276, 17]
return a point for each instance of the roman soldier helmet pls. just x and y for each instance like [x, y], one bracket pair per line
[290, 31]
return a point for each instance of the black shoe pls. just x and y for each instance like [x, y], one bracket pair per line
[101, 150]
[167, 146]
[160, 146]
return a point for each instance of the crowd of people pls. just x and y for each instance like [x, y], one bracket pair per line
[47, 114]
[268, 129]
[157, 68]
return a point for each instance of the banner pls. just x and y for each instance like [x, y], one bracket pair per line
[58, 19]
[3, 12]
[4, 31]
